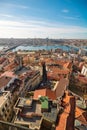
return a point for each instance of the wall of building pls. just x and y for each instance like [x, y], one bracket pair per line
[84, 71]
[33, 82]
[6, 107]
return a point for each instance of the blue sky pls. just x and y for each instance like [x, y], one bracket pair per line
[43, 18]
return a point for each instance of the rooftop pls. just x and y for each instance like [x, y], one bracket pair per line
[58, 70]
[10, 66]
[44, 102]
[56, 73]
[81, 115]
[4, 80]
[29, 115]
[32, 115]
[21, 71]
[82, 79]
[44, 92]
[8, 74]
[24, 102]
[13, 85]
[81, 104]
[2, 59]
[61, 87]
[51, 116]
[29, 74]
[66, 120]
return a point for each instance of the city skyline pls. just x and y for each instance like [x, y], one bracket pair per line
[43, 18]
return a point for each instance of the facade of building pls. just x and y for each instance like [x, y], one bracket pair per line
[31, 80]
[79, 83]
[9, 91]
[84, 70]
[5, 106]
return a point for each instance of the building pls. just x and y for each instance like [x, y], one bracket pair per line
[78, 83]
[36, 114]
[11, 81]
[61, 87]
[44, 92]
[66, 120]
[57, 72]
[81, 115]
[5, 106]
[3, 62]
[30, 79]
[84, 70]
[9, 88]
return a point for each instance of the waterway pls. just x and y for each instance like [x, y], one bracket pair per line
[31, 48]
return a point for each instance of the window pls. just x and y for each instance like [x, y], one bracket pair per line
[7, 119]
[3, 110]
[8, 110]
[5, 114]
[9, 97]
[6, 105]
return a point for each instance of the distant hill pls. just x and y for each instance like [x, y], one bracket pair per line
[39, 41]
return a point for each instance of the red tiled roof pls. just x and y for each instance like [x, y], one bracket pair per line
[83, 118]
[2, 59]
[10, 66]
[66, 120]
[59, 62]
[4, 81]
[56, 73]
[81, 115]
[62, 122]
[53, 76]
[68, 65]
[8, 74]
[44, 92]
[58, 70]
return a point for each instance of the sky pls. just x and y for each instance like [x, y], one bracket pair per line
[43, 19]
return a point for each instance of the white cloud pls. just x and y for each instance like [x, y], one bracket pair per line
[10, 5]
[6, 15]
[21, 29]
[17, 6]
[65, 10]
[71, 18]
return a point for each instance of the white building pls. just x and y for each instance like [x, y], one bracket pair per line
[84, 70]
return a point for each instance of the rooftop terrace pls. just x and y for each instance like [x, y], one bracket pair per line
[32, 115]
[29, 115]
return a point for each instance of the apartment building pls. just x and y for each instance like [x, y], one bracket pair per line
[9, 90]
[5, 106]
[36, 114]
[31, 79]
